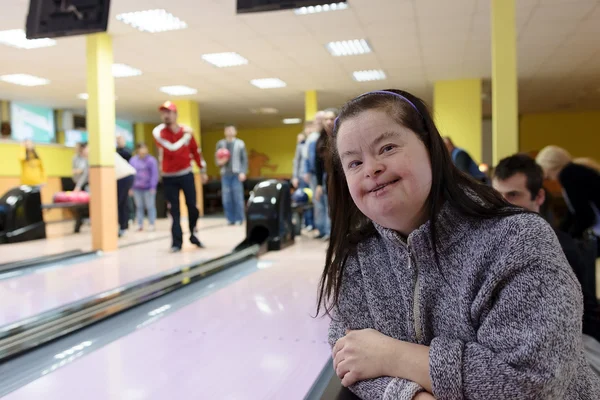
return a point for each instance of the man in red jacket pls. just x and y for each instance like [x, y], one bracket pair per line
[177, 147]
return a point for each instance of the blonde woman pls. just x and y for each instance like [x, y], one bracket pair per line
[581, 188]
[32, 168]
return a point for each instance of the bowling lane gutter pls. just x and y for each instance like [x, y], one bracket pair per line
[35, 331]
[44, 260]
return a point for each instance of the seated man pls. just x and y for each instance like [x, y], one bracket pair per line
[520, 181]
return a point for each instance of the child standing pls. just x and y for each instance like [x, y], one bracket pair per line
[438, 287]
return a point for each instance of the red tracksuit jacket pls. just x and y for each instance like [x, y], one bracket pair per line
[178, 149]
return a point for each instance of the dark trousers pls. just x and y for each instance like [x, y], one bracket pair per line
[123, 187]
[173, 184]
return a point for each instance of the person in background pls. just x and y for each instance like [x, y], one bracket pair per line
[438, 287]
[519, 179]
[321, 150]
[81, 167]
[581, 190]
[125, 175]
[32, 168]
[144, 185]
[463, 161]
[297, 163]
[177, 148]
[122, 148]
[312, 129]
[233, 174]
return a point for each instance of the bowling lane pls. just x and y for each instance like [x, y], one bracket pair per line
[252, 339]
[62, 239]
[48, 288]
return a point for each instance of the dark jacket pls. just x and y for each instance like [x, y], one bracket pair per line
[581, 187]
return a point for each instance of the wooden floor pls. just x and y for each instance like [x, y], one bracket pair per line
[60, 238]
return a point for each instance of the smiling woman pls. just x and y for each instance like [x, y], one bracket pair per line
[431, 288]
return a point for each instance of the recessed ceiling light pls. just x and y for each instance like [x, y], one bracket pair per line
[369, 75]
[16, 38]
[264, 110]
[319, 9]
[178, 90]
[268, 83]
[348, 47]
[123, 71]
[24, 80]
[152, 21]
[85, 96]
[290, 121]
[222, 60]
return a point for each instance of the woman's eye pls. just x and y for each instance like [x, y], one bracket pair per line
[387, 148]
[354, 164]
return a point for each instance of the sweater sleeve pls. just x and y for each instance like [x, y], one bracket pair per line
[352, 312]
[530, 320]
[195, 151]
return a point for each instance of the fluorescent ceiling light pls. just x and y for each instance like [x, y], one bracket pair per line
[222, 60]
[178, 90]
[16, 38]
[123, 71]
[85, 96]
[152, 21]
[348, 47]
[290, 121]
[24, 80]
[319, 9]
[369, 75]
[264, 110]
[268, 83]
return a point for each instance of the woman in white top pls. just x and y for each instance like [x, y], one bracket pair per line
[125, 175]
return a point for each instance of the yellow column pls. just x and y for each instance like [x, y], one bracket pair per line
[311, 105]
[101, 141]
[188, 113]
[457, 113]
[505, 113]
[4, 111]
[139, 134]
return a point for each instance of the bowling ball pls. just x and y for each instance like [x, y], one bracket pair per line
[300, 197]
[223, 154]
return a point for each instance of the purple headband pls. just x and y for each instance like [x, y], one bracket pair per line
[382, 92]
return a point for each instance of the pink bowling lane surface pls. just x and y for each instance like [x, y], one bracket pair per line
[45, 289]
[61, 238]
[254, 339]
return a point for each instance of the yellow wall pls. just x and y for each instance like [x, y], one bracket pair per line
[57, 159]
[457, 113]
[577, 132]
[278, 144]
[57, 163]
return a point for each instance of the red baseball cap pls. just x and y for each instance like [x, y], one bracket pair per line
[167, 105]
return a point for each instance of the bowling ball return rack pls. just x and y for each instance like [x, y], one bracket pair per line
[79, 210]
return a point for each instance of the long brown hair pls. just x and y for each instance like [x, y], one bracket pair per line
[349, 226]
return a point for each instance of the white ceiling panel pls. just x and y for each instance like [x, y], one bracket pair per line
[416, 42]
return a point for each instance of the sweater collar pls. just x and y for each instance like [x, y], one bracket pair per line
[449, 229]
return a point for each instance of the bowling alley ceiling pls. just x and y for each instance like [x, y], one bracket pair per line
[415, 43]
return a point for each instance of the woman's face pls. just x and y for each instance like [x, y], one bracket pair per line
[387, 168]
[328, 121]
[28, 145]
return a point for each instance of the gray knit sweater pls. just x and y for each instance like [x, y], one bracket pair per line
[501, 312]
